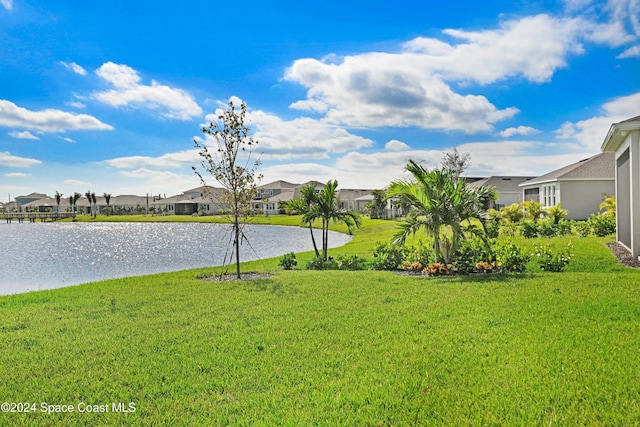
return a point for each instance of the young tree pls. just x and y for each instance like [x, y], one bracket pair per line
[377, 206]
[455, 163]
[230, 163]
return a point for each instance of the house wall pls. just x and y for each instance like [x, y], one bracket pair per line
[627, 190]
[623, 203]
[582, 198]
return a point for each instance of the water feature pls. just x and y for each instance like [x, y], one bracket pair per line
[53, 255]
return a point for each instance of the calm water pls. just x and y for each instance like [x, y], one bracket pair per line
[53, 255]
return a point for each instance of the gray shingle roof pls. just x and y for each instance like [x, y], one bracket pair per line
[600, 166]
[503, 184]
[633, 119]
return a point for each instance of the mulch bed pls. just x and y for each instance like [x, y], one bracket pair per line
[623, 255]
[232, 277]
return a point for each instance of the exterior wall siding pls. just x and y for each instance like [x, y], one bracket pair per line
[583, 198]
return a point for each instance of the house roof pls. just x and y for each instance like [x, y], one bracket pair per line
[277, 185]
[600, 166]
[618, 133]
[503, 184]
[352, 194]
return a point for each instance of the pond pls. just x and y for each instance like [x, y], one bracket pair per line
[53, 255]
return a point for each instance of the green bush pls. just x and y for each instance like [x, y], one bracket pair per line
[387, 256]
[288, 261]
[419, 253]
[468, 254]
[351, 262]
[512, 213]
[602, 225]
[318, 263]
[582, 228]
[550, 261]
[529, 229]
[512, 257]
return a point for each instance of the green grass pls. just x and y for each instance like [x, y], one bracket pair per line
[333, 347]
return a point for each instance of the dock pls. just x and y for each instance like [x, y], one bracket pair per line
[21, 217]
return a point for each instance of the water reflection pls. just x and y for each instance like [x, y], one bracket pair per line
[52, 255]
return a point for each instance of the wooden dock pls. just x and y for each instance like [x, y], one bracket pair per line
[35, 216]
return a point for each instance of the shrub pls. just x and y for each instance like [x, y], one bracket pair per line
[529, 229]
[414, 267]
[556, 213]
[468, 254]
[351, 262]
[387, 256]
[582, 228]
[318, 263]
[602, 224]
[288, 261]
[436, 269]
[546, 228]
[513, 258]
[488, 267]
[512, 213]
[550, 261]
[419, 253]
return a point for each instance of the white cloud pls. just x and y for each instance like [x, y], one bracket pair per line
[520, 130]
[74, 67]
[395, 145]
[6, 159]
[68, 140]
[170, 160]
[49, 120]
[129, 91]
[591, 132]
[298, 138]
[23, 135]
[632, 52]
[8, 4]
[75, 104]
[413, 87]
[17, 175]
[157, 182]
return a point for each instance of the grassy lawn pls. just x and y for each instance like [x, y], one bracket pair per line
[333, 347]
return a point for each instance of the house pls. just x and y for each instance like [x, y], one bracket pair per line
[349, 199]
[507, 188]
[623, 142]
[21, 201]
[205, 200]
[580, 186]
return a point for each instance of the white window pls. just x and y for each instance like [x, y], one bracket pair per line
[549, 195]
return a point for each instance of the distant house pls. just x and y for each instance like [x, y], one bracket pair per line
[507, 188]
[580, 186]
[623, 142]
[21, 201]
[204, 200]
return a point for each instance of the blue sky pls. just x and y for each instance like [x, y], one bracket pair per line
[109, 96]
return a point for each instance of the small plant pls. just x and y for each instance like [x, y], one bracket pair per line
[582, 228]
[468, 254]
[513, 213]
[550, 261]
[318, 263]
[488, 267]
[351, 262]
[437, 269]
[419, 253]
[414, 267]
[513, 258]
[387, 256]
[288, 261]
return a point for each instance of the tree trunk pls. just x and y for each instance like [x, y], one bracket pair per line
[236, 229]
[313, 240]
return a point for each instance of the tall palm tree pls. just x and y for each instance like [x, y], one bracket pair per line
[58, 197]
[88, 196]
[107, 199]
[326, 208]
[94, 201]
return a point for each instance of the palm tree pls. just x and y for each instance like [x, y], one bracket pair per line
[303, 205]
[94, 201]
[326, 209]
[58, 197]
[439, 199]
[72, 201]
[107, 199]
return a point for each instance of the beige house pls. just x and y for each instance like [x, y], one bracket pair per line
[507, 188]
[203, 200]
[580, 186]
[623, 142]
